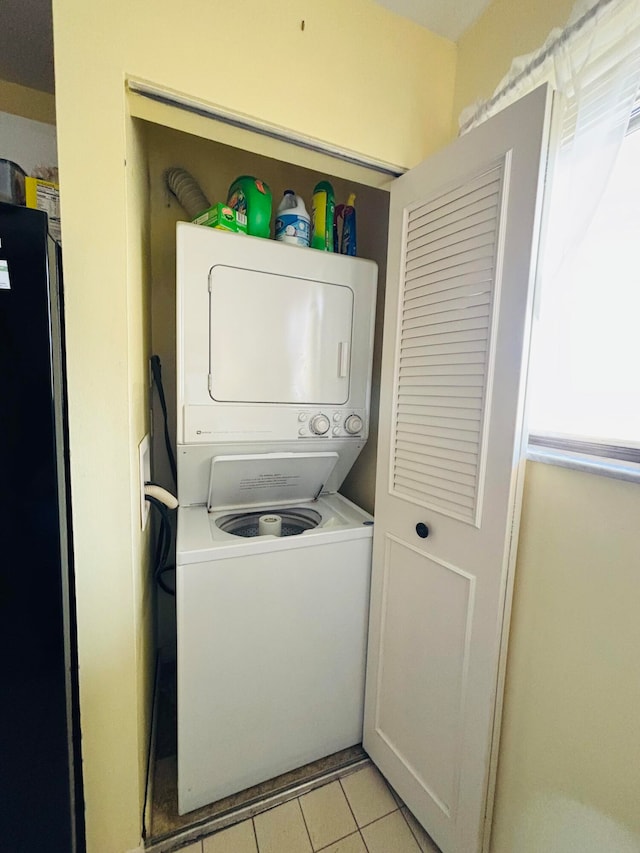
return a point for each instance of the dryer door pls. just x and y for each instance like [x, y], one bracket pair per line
[278, 339]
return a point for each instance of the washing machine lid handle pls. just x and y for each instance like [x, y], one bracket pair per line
[260, 479]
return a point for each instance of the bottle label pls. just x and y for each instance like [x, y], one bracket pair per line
[292, 228]
[348, 236]
[238, 201]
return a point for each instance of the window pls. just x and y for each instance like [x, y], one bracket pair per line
[585, 370]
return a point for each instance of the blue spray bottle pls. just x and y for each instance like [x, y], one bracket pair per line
[347, 212]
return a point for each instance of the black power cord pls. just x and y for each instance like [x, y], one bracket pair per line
[163, 545]
[156, 369]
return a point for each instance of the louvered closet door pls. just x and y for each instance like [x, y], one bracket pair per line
[462, 247]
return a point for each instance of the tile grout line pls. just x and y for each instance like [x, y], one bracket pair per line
[375, 820]
[304, 820]
[404, 817]
[337, 841]
[363, 840]
[344, 793]
[378, 819]
[342, 837]
[255, 834]
[360, 828]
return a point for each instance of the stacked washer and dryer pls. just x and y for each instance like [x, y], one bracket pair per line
[274, 350]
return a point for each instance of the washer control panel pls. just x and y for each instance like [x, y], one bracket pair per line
[329, 423]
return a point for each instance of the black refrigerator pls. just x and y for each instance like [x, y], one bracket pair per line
[41, 805]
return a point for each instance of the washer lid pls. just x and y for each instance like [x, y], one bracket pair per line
[258, 479]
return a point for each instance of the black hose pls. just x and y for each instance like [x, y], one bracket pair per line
[156, 369]
[163, 545]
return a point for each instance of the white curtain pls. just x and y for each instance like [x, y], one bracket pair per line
[594, 66]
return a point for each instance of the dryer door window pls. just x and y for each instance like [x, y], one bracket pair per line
[276, 339]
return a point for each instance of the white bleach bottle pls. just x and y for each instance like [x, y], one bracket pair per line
[293, 223]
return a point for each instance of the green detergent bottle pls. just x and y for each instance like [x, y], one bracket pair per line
[323, 209]
[252, 197]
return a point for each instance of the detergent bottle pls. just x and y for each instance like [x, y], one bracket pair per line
[293, 224]
[347, 229]
[252, 197]
[322, 213]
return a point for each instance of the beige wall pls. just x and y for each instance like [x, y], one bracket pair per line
[508, 28]
[21, 101]
[569, 766]
[366, 91]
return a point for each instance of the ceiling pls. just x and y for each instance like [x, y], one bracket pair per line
[448, 18]
[26, 33]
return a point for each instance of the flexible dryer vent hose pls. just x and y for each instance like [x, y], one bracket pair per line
[186, 189]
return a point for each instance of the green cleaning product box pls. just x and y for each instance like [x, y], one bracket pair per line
[223, 217]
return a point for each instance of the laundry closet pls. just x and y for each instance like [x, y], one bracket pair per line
[215, 165]
[462, 241]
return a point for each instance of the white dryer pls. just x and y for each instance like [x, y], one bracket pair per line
[273, 566]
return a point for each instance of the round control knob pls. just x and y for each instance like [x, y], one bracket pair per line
[319, 424]
[336, 430]
[302, 417]
[353, 424]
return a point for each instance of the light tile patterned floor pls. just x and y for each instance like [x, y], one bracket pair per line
[357, 814]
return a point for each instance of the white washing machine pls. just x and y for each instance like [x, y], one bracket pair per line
[273, 566]
[271, 630]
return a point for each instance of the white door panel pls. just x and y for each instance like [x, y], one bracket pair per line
[462, 247]
[414, 588]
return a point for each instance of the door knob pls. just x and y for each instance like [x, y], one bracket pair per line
[422, 530]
